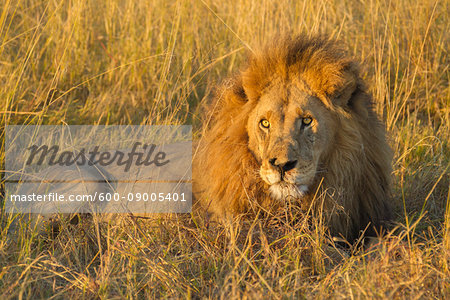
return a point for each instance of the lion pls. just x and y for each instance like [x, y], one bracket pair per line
[297, 121]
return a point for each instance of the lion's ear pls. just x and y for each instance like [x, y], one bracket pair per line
[351, 95]
[234, 92]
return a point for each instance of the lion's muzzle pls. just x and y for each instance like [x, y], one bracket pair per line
[274, 171]
[283, 178]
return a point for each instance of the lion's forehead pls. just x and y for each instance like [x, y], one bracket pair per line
[286, 101]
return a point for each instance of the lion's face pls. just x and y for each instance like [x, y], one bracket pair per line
[289, 131]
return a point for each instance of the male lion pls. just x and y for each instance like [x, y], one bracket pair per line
[296, 122]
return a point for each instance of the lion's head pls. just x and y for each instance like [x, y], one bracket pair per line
[289, 132]
[297, 115]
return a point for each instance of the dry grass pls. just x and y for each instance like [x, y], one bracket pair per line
[153, 62]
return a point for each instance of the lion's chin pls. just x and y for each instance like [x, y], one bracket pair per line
[283, 190]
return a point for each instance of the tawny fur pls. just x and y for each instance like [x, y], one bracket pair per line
[355, 175]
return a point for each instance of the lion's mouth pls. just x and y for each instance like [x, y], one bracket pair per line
[283, 190]
[284, 185]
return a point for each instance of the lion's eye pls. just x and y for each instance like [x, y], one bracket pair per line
[264, 123]
[306, 121]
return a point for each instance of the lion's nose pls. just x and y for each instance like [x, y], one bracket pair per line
[287, 166]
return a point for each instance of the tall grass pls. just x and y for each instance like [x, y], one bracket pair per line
[154, 62]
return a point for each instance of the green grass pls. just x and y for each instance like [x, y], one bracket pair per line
[155, 62]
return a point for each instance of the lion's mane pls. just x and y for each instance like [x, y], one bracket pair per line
[356, 180]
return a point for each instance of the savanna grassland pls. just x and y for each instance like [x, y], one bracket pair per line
[155, 62]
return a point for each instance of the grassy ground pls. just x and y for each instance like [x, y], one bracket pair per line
[154, 62]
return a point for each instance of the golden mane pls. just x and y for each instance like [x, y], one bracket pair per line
[357, 177]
